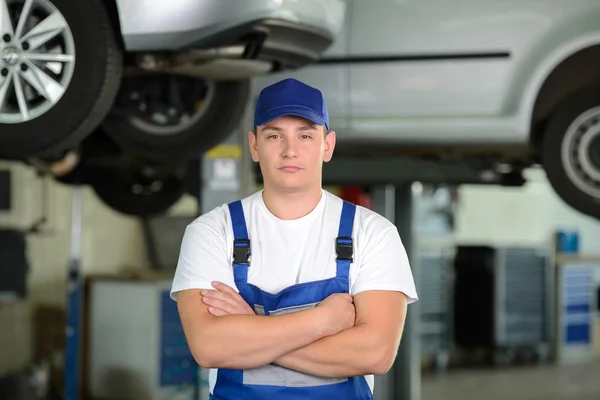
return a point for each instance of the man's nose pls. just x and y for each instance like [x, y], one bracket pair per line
[289, 148]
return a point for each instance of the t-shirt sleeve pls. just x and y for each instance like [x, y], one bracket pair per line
[202, 259]
[384, 264]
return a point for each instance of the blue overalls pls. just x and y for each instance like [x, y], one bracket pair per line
[272, 382]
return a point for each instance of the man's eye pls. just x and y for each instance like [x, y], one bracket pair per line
[306, 137]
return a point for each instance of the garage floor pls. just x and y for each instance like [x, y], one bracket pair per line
[581, 382]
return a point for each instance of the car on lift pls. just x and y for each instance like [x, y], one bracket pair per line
[501, 85]
[165, 81]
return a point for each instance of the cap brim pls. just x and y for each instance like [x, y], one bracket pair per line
[296, 111]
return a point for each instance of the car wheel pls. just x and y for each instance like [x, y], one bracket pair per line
[60, 67]
[96, 155]
[170, 118]
[127, 185]
[141, 192]
[571, 151]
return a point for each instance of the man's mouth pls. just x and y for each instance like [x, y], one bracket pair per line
[290, 168]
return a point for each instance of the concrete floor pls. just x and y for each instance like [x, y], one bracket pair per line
[549, 382]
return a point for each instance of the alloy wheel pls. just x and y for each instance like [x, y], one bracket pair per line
[165, 105]
[37, 59]
[581, 152]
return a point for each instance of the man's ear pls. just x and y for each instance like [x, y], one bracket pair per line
[252, 145]
[329, 146]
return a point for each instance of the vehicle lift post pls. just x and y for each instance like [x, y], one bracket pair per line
[72, 378]
[403, 381]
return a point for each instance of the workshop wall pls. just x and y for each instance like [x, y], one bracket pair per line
[110, 241]
[529, 215]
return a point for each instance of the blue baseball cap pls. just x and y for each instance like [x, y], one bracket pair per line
[291, 97]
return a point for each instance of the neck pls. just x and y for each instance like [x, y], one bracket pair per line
[291, 205]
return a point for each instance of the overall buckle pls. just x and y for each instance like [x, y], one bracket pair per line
[241, 251]
[343, 248]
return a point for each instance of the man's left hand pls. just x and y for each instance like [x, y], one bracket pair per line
[225, 301]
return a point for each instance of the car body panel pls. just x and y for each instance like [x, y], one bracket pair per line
[434, 72]
[149, 25]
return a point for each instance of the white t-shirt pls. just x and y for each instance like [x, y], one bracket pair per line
[289, 252]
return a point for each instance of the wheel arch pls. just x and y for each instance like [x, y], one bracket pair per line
[534, 65]
[115, 19]
[575, 72]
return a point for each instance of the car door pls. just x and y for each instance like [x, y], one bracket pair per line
[435, 70]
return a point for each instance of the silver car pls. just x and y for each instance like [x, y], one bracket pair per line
[500, 84]
[165, 80]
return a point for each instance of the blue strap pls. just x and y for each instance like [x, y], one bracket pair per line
[344, 244]
[241, 243]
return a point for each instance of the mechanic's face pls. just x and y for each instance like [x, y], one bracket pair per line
[291, 152]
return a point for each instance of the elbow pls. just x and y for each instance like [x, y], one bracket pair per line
[381, 367]
[207, 360]
[378, 355]
[203, 358]
[382, 360]
[205, 355]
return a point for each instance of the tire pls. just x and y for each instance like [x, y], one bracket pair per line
[89, 94]
[226, 106]
[114, 188]
[113, 174]
[97, 155]
[574, 173]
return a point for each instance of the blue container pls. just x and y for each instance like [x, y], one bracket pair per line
[567, 242]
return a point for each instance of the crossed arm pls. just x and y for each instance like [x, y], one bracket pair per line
[370, 347]
[242, 340]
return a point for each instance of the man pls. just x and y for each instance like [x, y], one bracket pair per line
[292, 293]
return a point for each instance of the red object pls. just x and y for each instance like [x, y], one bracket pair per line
[356, 195]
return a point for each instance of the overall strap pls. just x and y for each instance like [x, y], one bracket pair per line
[241, 243]
[343, 246]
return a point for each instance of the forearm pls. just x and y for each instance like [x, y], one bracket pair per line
[250, 341]
[352, 352]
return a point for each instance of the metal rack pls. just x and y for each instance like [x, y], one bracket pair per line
[522, 302]
[435, 295]
[434, 248]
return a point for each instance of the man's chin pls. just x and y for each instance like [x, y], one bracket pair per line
[291, 185]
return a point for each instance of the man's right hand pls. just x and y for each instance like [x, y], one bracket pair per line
[338, 313]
